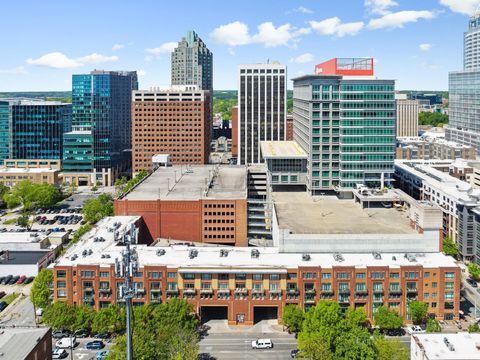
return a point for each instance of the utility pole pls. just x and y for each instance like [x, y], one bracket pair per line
[125, 268]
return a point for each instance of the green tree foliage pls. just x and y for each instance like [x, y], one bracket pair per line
[32, 196]
[166, 332]
[418, 311]
[390, 349]
[387, 319]
[433, 119]
[23, 221]
[224, 106]
[474, 328]
[433, 326]
[80, 232]
[293, 318]
[96, 209]
[40, 290]
[142, 174]
[449, 247]
[474, 271]
[84, 316]
[355, 344]
[60, 315]
[110, 319]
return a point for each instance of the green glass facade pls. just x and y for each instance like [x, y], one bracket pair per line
[348, 129]
[4, 130]
[78, 152]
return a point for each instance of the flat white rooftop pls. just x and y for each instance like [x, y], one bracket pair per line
[238, 258]
[282, 149]
[465, 346]
[21, 237]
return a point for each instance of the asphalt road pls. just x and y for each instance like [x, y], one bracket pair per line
[234, 346]
[471, 295]
[80, 353]
[20, 313]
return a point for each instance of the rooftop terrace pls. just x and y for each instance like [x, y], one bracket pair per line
[194, 182]
[282, 149]
[303, 214]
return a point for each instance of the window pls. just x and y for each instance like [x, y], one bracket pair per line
[449, 275]
[377, 286]
[61, 274]
[394, 275]
[449, 285]
[326, 275]
[426, 274]
[222, 276]
[291, 276]
[309, 275]
[343, 275]
[172, 286]
[104, 274]
[155, 275]
[378, 275]
[61, 293]
[240, 276]
[61, 284]
[360, 275]
[257, 277]
[449, 295]
[206, 276]
[189, 276]
[434, 285]
[274, 277]
[172, 275]
[88, 274]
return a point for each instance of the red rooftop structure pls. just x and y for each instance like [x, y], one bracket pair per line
[346, 66]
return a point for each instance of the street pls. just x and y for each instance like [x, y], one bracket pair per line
[234, 346]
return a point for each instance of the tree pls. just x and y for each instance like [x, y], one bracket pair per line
[433, 326]
[418, 311]
[293, 318]
[84, 316]
[355, 344]
[391, 349]
[32, 196]
[474, 271]
[40, 291]
[110, 319]
[449, 247]
[23, 221]
[354, 318]
[474, 328]
[96, 209]
[387, 319]
[433, 119]
[59, 315]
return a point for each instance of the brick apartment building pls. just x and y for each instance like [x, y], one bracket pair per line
[202, 203]
[176, 121]
[245, 285]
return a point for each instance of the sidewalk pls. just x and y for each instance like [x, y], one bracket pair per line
[265, 326]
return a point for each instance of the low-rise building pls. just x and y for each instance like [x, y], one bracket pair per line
[211, 199]
[33, 163]
[459, 346]
[11, 176]
[432, 148]
[17, 343]
[245, 285]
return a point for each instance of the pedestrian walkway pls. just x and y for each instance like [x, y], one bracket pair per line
[265, 326]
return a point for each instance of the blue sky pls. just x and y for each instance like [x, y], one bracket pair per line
[415, 42]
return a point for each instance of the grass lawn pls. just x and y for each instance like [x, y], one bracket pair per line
[10, 221]
[10, 297]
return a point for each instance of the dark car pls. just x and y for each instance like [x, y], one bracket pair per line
[102, 336]
[294, 353]
[472, 282]
[6, 279]
[13, 280]
[2, 294]
[59, 334]
[81, 334]
[29, 279]
[395, 332]
[95, 345]
[3, 305]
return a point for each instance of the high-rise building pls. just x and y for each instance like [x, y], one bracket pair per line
[176, 121]
[262, 108]
[32, 129]
[344, 119]
[192, 63]
[98, 148]
[407, 116]
[464, 91]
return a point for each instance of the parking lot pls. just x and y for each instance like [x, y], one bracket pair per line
[80, 353]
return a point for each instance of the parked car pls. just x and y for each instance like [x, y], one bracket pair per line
[395, 332]
[67, 342]
[95, 345]
[29, 279]
[102, 355]
[81, 334]
[13, 280]
[21, 279]
[472, 282]
[415, 329]
[59, 353]
[294, 353]
[6, 279]
[2, 294]
[262, 344]
[58, 334]
[102, 336]
[3, 305]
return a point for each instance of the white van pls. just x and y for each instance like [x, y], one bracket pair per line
[262, 344]
[66, 343]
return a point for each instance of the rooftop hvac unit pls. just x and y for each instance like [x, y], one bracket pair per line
[193, 253]
[338, 257]
[161, 252]
[306, 257]
[255, 253]
[377, 255]
[223, 253]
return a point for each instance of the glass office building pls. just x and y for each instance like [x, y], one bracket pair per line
[347, 126]
[101, 133]
[4, 130]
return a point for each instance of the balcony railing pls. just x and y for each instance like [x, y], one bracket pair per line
[361, 292]
[412, 290]
[344, 291]
[189, 292]
[241, 291]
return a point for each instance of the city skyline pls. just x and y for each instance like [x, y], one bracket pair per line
[427, 37]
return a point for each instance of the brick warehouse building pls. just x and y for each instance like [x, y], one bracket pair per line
[212, 200]
[176, 121]
[245, 285]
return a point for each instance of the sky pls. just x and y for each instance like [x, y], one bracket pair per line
[415, 42]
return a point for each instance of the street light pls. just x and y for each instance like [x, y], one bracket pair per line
[125, 267]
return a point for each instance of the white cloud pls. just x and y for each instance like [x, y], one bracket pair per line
[233, 34]
[96, 59]
[19, 70]
[334, 26]
[141, 72]
[425, 47]
[303, 10]
[237, 33]
[302, 59]
[380, 7]
[466, 7]
[399, 19]
[118, 47]
[57, 60]
[165, 48]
